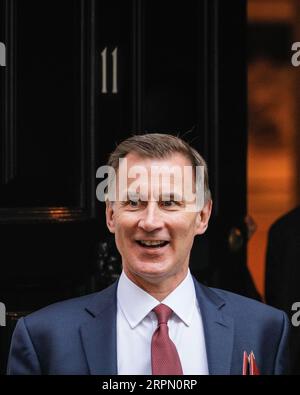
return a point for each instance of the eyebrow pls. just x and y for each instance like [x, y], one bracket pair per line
[172, 196]
[177, 197]
[162, 197]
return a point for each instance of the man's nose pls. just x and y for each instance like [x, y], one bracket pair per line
[151, 218]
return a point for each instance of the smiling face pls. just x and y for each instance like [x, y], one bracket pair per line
[155, 236]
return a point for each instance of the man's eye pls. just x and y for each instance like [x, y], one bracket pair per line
[133, 203]
[168, 203]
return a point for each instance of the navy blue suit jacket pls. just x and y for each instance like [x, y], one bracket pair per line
[78, 336]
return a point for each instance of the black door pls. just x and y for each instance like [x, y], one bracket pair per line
[81, 75]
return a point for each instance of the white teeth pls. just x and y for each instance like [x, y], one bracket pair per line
[152, 242]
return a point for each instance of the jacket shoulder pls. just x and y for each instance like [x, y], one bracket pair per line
[241, 306]
[71, 310]
[288, 221]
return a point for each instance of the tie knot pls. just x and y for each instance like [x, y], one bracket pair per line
[163, 313]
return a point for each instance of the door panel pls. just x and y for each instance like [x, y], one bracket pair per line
[45, 106]
[47, 204]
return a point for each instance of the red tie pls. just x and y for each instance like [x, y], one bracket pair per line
[164, 356]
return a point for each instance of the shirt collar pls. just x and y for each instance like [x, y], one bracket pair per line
[183, 299]
[137, 303]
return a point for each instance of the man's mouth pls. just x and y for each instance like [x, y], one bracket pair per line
[152, 243]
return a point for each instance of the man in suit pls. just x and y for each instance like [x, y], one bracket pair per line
[282, 274]
[157, 318]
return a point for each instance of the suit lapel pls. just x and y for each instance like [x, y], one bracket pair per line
[98, 334]
[218, 330]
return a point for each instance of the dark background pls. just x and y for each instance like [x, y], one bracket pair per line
[181, 69]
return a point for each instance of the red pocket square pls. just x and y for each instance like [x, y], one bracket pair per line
[245, 364]
[253, 369]
[249, 365]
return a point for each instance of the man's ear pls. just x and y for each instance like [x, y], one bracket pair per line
[203, 218]
[109, 212]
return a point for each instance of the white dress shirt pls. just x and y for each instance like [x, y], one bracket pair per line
[136, 324]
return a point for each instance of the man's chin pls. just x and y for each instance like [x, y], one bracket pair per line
[153, 271]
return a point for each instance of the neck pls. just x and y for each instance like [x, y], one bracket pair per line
[158, 288]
